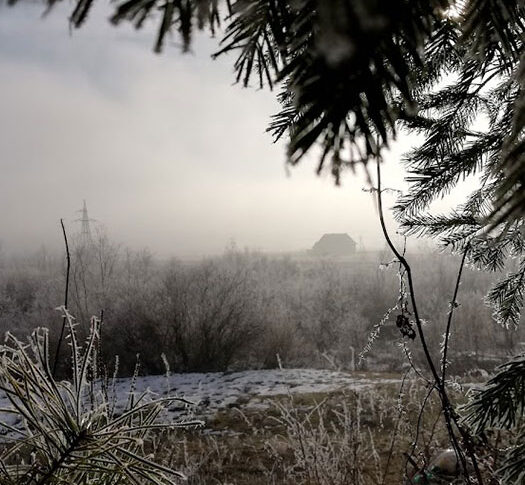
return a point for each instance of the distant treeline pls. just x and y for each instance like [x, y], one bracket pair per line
[249, 310]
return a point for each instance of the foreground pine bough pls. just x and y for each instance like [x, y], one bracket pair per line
[70, 432]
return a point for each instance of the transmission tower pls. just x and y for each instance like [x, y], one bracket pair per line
[85, 229]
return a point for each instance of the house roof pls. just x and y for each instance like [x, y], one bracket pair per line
[337, 243]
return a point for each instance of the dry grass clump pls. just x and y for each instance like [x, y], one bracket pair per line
[357, 437]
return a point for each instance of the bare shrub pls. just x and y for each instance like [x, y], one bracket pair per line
[209, 315]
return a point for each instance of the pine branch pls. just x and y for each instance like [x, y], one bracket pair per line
[501, 403]
[507, 298]
[259, 30]
[513, 467]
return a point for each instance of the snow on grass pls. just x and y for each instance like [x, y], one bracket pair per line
[217, 390]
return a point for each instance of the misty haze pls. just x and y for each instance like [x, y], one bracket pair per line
[262, 242]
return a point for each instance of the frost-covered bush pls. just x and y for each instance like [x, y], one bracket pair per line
[212, 317]
[239, 310]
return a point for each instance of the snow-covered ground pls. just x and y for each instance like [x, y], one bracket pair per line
[216, 390]
[213, 391]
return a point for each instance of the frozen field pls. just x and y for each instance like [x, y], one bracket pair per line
[215, 390]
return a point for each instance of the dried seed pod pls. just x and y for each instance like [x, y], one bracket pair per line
[401, 321]
[405, 327]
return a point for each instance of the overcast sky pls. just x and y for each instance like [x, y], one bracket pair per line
[167, 152]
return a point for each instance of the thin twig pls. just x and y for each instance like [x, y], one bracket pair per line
[418, 430]
[66, 295]
[453, 305]
[396, 428]
[413, 365]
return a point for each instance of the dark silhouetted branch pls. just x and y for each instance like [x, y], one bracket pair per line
[66, 295]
